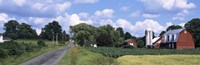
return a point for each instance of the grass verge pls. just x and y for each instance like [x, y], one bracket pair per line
[82, 56]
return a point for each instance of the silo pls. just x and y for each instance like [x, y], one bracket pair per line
[149, 37]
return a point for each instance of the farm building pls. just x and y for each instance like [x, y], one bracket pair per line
[3, 39]
[131, 42]
[175, 39]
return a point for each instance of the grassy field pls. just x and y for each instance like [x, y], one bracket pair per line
[158, 60]
[16, 60]
[82, 56]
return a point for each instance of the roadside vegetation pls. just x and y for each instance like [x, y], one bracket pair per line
[82, 56]
[19, 51]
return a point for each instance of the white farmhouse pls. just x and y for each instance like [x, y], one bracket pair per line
[1, 38]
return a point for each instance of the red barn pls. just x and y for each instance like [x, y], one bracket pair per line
[131, 42]
[176, 39]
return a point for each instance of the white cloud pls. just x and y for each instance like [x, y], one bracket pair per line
[168, 24]
[124, 8]
[106, 13]
[124, 24]
[34, 8]
[141, 26]
[181, 15]
[107, 21]
[19, 2]
[135, 14]
[85, 1]
[182, 24]
[75, 19]
[168, 5]
[63, 6]
[150, 15]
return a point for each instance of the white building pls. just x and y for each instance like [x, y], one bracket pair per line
[149, 37]
[1, 38]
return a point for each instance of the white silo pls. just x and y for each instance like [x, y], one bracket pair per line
[149, 37]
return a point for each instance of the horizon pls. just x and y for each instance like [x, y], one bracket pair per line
[134, 16]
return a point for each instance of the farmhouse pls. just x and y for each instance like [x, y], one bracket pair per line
[3, 39]
[175, 39]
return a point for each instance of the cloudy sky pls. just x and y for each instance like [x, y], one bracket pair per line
[133, 15]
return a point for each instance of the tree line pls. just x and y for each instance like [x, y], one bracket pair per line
[51, 31]
[103, 35]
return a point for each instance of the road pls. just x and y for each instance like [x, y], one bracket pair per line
[49, 58]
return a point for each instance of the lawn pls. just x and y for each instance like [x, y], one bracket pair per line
[16, 60]
[158, 60]
[82, 56]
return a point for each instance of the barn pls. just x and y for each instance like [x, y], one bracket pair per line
[131, 42]
[176, 39]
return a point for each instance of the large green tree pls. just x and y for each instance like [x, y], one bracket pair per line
[52, 30]
[26, 32]
[11, 29]
[173, 27]
[128, 36]
[194, 27]
[83, 33]
[112, 37]
[121, 31]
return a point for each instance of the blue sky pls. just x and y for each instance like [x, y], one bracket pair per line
[133, 16]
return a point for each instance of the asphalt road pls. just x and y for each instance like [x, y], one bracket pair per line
[49, 58]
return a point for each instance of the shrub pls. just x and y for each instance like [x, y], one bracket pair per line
[41, 43]
[3, 53]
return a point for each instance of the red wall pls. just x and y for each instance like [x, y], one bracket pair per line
[185, 40]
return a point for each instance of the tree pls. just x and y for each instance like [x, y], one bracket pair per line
[51, 30]
[162, 33]
[121, 31]
[11, 29]
[85, 31]
[194, 27]
[173, 27]
[26, 32]
[128, 36]
[140, 44]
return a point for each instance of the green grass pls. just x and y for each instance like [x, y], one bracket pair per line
[82, 56]
[16, 60]
[158, 60]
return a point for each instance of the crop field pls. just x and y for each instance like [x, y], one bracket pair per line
[117, 52]
[158, 60]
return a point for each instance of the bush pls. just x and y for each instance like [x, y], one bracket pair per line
[3, 53]
[41, 43]
[11, 48]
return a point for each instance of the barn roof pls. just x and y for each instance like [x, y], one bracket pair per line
[173, 31]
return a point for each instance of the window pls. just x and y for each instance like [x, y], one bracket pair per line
[172, 38]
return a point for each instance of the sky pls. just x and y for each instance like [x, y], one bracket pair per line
[134, 16]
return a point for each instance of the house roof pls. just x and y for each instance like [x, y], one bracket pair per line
[130, 40]
[174, 31]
